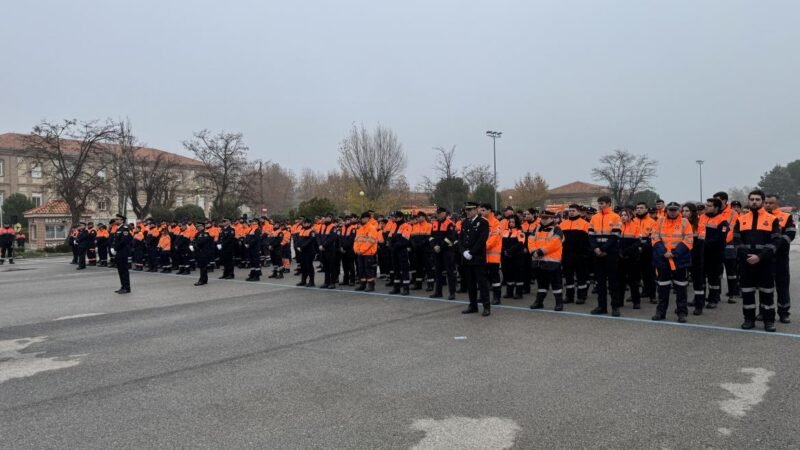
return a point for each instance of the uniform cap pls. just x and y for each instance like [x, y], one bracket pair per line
[470, 205]
[441, 210]
[673, 205]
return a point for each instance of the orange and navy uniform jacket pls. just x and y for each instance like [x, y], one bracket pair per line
[443, 234]
[165, 243]
[513, 241]
[675, 236]
[420, 235]
[103, 234]
[730, 215]
[545, 244]
[494, 244]
[715, 229]
[757, 233]
[328, 237]
[400, 238]
[576, 237]
[630, 240]
[646, 225]
[214, 231]
[367, 239]
[348, 238]
[788, 231]
[388, 230]
[605, 229]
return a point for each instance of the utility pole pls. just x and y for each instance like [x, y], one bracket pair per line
[494, 135]
[700, 165]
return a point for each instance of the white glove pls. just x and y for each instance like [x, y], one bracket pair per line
[113, 251]
[437, 249]
[467, 255]
[219, 246]
[191, 248]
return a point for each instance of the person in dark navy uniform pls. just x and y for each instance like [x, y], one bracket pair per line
[474, 234]
[123, 241]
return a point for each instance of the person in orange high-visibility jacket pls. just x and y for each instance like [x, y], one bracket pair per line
[788, 232]
[385, 260]
[514, 258]
[365, 247]
[278, 240]
[164, 249]
[730, 262]
[494, 248]
[689, 211]
[646, 270]
[604, 232]
[545, 246]
[530, 220]
[444, 243]
[577, 255]
[102, 244]
[672, 256]
[630, 246]
[715, 227]
[400, 244]
[421, 269]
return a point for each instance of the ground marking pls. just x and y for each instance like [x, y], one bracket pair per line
[746, 395]
[16, 364]
[464, 433]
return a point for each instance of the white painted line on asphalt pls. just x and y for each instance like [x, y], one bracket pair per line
[746, 395]
[387, 296]
[724, 431]
[460, 338]
[16, 364]
[465, 433]
[78, 316]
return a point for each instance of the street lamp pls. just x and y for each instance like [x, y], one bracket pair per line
[495, 135]
[361, 194]
[700, 165]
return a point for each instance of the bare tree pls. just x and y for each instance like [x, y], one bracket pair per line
[625, 174]
[147, 178]
[267, 184]
[444, 165]
[374, 160]
[224, 157]
[530, 191]
[478, 176]
[75, 157]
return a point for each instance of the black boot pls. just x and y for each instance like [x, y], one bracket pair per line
[370, 287]
[429, 287]
[487, 310]
[509, 292]
[405, 290]
[518, 292]
[361, 286]
[495, 296]
[395, 289]
[559, 303]
[539, 303]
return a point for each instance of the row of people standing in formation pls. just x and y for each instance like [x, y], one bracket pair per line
[648, 252]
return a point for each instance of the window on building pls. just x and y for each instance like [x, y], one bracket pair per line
[2, 167]
[33, 233]
[36, 170]
[179, 177]
[36, 198]
[178, 201]
[55, 231]
[2, 198]
[201, 202]
[102, 204]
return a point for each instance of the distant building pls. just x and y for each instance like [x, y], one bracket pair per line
[578, 192]
[20, 173]
[49, 224]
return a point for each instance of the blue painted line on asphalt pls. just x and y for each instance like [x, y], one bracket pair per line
[508, 307]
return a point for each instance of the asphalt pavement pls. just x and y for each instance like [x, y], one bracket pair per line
[269, 365]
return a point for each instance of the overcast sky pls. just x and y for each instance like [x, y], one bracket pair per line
[566, 81]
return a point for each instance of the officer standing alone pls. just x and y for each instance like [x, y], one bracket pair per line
[123, 240]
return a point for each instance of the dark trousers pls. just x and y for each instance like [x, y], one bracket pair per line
[365, 265]
[698, 279]
[164, 257]
[576, 273]
[74, 254]
[307, 266]
[444, 271]
[348, 267]
[493, 276]
[203, 267]
[102, 251]
[81, 257]
[647, 272]
[712, 270]
[607, 277]
[122, 271]
[227, 263]
[732, 274]
[629, 274]
[152, 257]
[7, 252]
[782, 279]
[422, 267]
[330, 264]
[666, 278]
[475, 279]
[512, 270]
[400, 266]
[91, 255]
[760, 277]
[548, 279]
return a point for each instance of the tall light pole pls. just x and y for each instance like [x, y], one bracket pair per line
[700, 165]
[495, 135]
